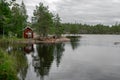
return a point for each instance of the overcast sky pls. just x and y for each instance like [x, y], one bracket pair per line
[81, 11]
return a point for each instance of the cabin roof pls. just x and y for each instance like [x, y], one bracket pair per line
[28, 28]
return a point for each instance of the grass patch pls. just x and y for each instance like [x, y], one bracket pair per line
[7, 39]
[7, 67]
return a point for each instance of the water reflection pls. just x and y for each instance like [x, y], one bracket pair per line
[42, 56]
[18, 54]
[58, 53]
[46, 55]
[4, 45]
[74, 40]
[28, 48]
[94, 57]
[21, 62]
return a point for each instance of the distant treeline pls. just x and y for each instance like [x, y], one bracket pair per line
[74, 28]
[13, 20]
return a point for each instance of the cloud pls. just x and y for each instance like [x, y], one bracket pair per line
[84, 11]
[90, 12]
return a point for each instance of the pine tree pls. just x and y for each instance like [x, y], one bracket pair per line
[19, 19]
[24, 14]
[5, 17]
[43, 20]
[58, 26]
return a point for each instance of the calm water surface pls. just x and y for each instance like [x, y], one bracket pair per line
[90, 57]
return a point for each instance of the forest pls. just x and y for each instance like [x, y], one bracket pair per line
[77, 28]
[14, 18]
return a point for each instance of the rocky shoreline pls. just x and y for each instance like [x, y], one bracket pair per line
[51, 40]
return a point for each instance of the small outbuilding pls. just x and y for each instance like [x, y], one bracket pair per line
[28, 33]
[28, 48]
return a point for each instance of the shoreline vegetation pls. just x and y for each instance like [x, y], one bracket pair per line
[13, 21]
[7, 67]
[36, 40]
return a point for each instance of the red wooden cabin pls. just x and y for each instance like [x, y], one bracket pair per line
[28, 33]
[28, 48]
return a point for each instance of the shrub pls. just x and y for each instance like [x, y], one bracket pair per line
[7, 67]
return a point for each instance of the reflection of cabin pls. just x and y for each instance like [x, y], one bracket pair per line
[28, 33]
[28, 48]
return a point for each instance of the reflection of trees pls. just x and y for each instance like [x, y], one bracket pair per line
[42, 62]
[4, 45]
[74, 42]
[17, 53]
[59, 49]
[47, 53]
[21, 62]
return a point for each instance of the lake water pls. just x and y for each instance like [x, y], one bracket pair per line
[90, 57]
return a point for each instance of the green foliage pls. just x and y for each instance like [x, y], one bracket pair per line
[90, 29]
[19, 19]
[5, 16]
[21, 60]
[45, 23]
[42, 20]
[58, 26]
[7, 67]
[12, 20]
[74, 30]
[12, 62]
